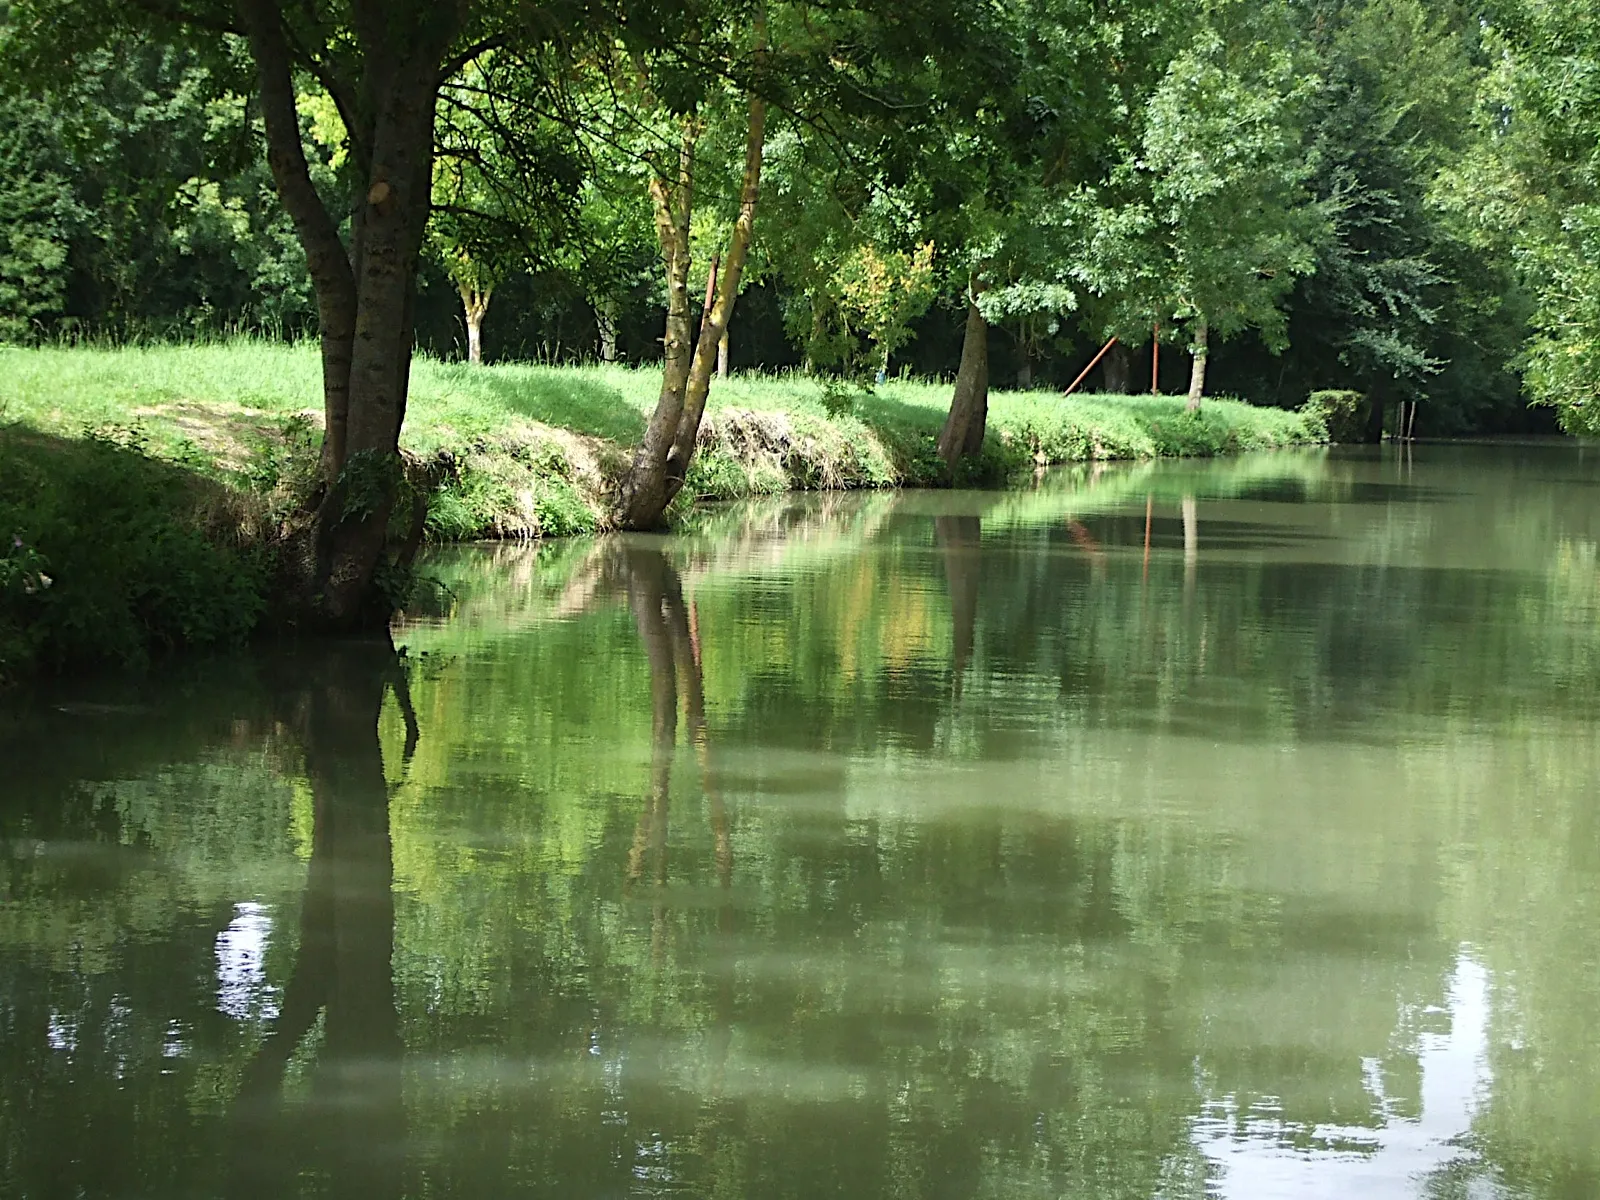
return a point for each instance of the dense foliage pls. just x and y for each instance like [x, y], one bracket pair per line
[1391, 196]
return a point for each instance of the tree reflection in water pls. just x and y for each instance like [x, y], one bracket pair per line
[668, 633]
[352, 1127]
[960, 538]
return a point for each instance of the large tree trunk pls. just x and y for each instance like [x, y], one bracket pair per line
[476, 303]
[962, 436]
[1117, 371]
[1197, 367]
[661, 463]
[365, 296]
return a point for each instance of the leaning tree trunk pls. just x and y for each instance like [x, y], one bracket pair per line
[1197, 367]
[962, 436]
[476, 303]
[332, 277]
[661, 463]
[364, 295]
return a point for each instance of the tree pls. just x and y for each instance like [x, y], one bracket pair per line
[1543, 183]
[661, 461]
[839, 71]
[383, 67]
[506, 181]
[1229, 221]
[36, 209]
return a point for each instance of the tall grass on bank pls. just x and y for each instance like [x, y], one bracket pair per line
[143, 481]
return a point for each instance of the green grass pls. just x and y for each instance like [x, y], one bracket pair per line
[535, 446]
[108, 454]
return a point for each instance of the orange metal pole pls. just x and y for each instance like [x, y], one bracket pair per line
[1155, 359]
[1093, 362]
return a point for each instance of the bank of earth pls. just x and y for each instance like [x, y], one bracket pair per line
[141, 487]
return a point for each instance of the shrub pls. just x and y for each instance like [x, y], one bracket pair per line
[140, 556]
[1339, 412]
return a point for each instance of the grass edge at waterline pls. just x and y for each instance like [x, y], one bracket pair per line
[141, 486]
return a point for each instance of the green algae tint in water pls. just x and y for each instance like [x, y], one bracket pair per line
[924, 845]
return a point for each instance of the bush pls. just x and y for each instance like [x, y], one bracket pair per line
[1340, 412]
[112, 556]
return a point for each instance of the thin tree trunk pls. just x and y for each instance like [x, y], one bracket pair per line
[1197, 367]
[605, 321]
[964, 428]
[698, 386]
[476, 303]
[722, 355]
[1025, 371]
[818, 325]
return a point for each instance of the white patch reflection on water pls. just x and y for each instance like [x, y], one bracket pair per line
[242, 989]
[1253, 1157]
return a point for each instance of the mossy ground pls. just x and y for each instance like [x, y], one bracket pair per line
[147, 479]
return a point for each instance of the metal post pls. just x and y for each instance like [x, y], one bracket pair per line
[1093, 362]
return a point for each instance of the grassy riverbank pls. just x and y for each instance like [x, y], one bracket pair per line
[144, 482]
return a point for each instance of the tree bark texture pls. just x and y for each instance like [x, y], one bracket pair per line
[364, 294]
[1197, 366]
[964, 427]
[332, 277]
[661, 463]
[722, 355]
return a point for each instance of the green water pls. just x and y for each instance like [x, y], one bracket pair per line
[923, 845]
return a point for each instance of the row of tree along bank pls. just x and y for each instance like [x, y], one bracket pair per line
[1390, 194]
[172, 523]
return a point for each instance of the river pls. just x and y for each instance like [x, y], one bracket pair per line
[1162, 830]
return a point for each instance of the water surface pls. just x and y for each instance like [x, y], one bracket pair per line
[1174, 830]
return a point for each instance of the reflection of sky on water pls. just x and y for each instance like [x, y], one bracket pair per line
[242, 989]
[1252, 1155]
